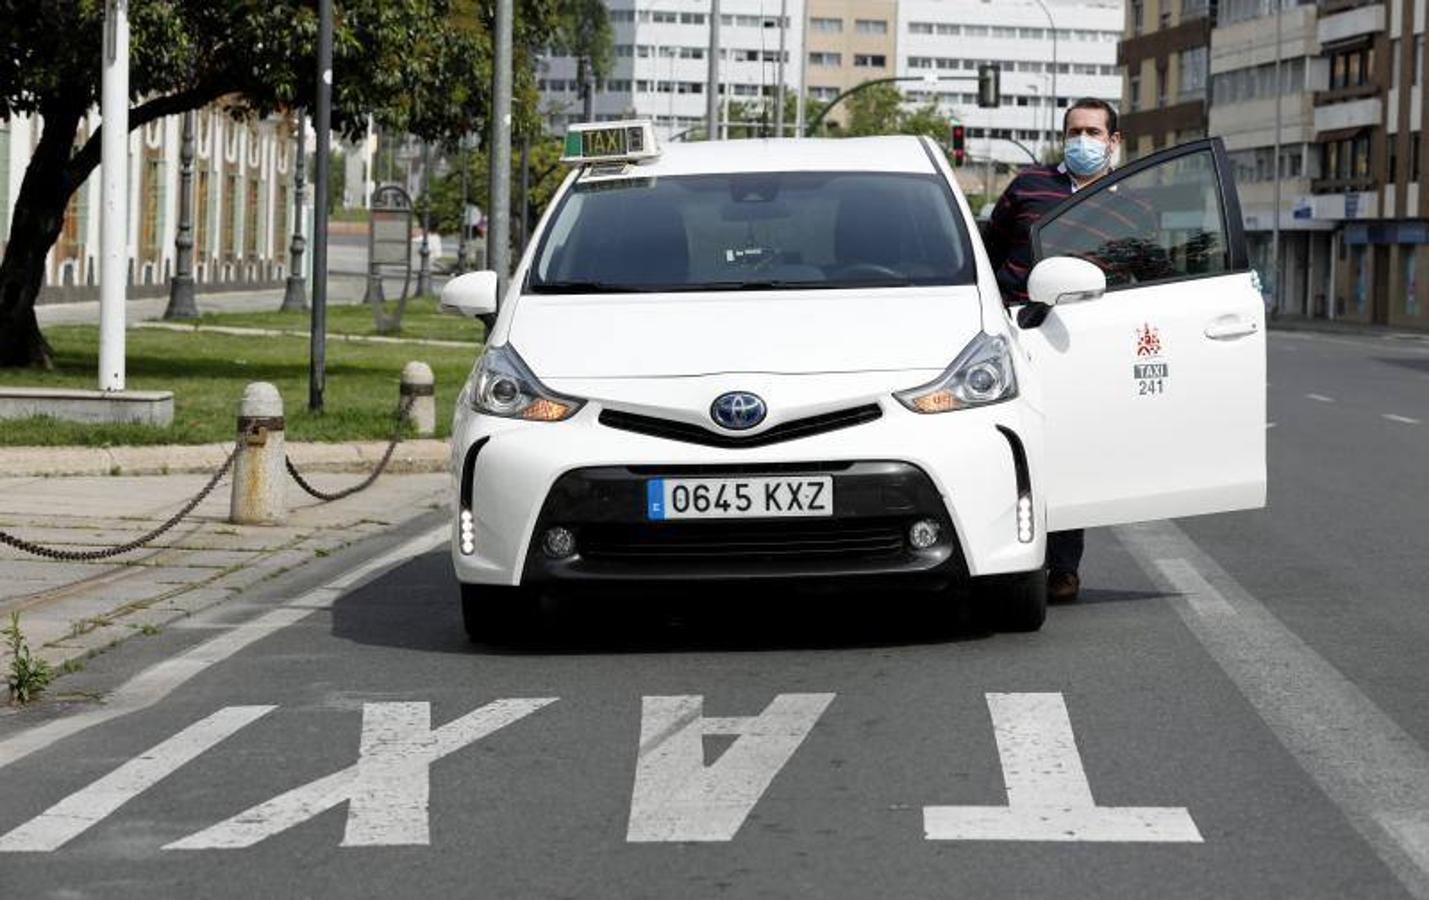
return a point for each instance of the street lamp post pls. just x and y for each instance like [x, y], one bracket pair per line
[424, 271]
[712, 82]
[465, 159]
[114, 194]
[295, 296]
[1052, 28]
[181, 286]
[322, 121]
[498, 232]
[1275, 213]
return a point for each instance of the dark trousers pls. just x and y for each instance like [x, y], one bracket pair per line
[1064, 551]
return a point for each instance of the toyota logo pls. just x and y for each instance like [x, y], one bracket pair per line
[737, 410]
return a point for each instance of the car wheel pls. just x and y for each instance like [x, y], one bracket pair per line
[1016, 602]
[495, 614]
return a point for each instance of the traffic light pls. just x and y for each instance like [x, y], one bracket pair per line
[989, 87]
[958, 144]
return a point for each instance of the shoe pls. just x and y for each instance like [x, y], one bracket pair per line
[1062, 587]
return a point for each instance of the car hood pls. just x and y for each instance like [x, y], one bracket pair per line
[779, 332]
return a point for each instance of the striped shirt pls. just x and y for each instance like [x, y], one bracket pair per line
[1034, 191]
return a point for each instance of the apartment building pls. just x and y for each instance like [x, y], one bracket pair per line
[946, 40]
[1368, 123]
[661, 65]
[242, 212]
[1242, 112]
[848, 43]
[1165, 56]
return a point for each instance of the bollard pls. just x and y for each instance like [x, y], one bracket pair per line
[419, 387]
[259, 478]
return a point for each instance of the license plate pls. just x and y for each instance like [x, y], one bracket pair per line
[739, 498]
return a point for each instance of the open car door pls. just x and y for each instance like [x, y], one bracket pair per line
[1153, 392]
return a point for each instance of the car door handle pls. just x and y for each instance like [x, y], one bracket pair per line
[1230, 327]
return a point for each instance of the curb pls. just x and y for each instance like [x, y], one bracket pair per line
[414, 456]
[1347, 329]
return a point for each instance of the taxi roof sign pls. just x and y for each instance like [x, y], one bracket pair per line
[589, 142]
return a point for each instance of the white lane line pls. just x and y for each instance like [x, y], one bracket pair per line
[678, 798]
[1398, 418]
[1320, 397]
[1048, 795]
[158, 681]
[386, 790]
[1364, 762]
[78, 812]
[1196, 590]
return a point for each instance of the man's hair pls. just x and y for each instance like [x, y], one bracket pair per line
[1092, 103]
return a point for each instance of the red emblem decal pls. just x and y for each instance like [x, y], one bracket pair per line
[1148, 341]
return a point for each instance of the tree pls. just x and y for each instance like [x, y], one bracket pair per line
[880, 109]
[415, 65]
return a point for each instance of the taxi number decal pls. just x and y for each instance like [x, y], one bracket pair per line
[1150, 378]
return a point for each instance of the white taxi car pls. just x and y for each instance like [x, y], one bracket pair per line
[789, 359]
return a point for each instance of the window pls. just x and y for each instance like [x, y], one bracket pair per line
[1418, 58]
[823, 93]
[870, 26]
[1161, 222]
[870, 60]
[975, 30]
[823, 58]
[1353, 68]
[622, 15]
[713, 232]
[664, 16]
[1138, 14]
[920, 27]
[1414, 156]
[1134, 89]
[1160, 86]
[826, 26]
[687, 18]
[999, 31]
[920, 62]
[1034, 34]
[1193, 74]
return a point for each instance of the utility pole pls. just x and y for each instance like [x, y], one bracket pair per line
[1052, 29]
[181, 286]
[712, 81]
[779, 97]
[498, 232]
[322, 122]
[114, 195]
[1275, 213]
[295, 295]
[523, 202]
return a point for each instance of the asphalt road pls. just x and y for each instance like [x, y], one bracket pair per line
[1234, 709]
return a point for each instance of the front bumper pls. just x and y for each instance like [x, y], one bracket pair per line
[874, 505]
[518, 477]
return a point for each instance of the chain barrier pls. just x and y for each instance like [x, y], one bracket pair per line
[104, 553]
[402, 410]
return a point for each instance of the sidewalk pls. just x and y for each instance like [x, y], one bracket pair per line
[341, 289]
[69, 610]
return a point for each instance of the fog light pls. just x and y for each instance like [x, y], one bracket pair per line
[1024, 519]
[559, 543]
[468, 533]
[923, 534]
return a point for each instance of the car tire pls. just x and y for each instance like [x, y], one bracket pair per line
[1016, 602]
[497, 614]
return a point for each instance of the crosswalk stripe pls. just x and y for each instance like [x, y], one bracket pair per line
[78, 812]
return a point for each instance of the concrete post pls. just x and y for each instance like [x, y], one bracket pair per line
[419, 385]
[259, 478]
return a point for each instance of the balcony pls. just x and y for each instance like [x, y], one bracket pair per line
[1353, 114]
[1352, 23]
[1341, 185]
[1350, 92]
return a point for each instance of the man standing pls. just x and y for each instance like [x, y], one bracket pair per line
[1090, 131]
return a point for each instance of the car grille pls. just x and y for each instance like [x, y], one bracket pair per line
[784, 540]
[696, 434]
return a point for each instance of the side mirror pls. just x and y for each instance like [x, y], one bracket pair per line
[1065, 279]
[472, 294]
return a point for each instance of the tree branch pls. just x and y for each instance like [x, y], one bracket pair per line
[84, 162]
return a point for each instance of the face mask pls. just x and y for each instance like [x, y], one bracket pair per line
[1086, 156]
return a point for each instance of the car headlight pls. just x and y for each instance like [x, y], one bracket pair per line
[504, 386]
[981, 374]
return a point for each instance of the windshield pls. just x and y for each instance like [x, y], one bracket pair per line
[767, 230]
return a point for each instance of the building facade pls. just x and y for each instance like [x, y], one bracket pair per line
[848, 42]
[242, 209]
[1242, 111]
[945, 41]
[661, 65]
[1165, 57]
